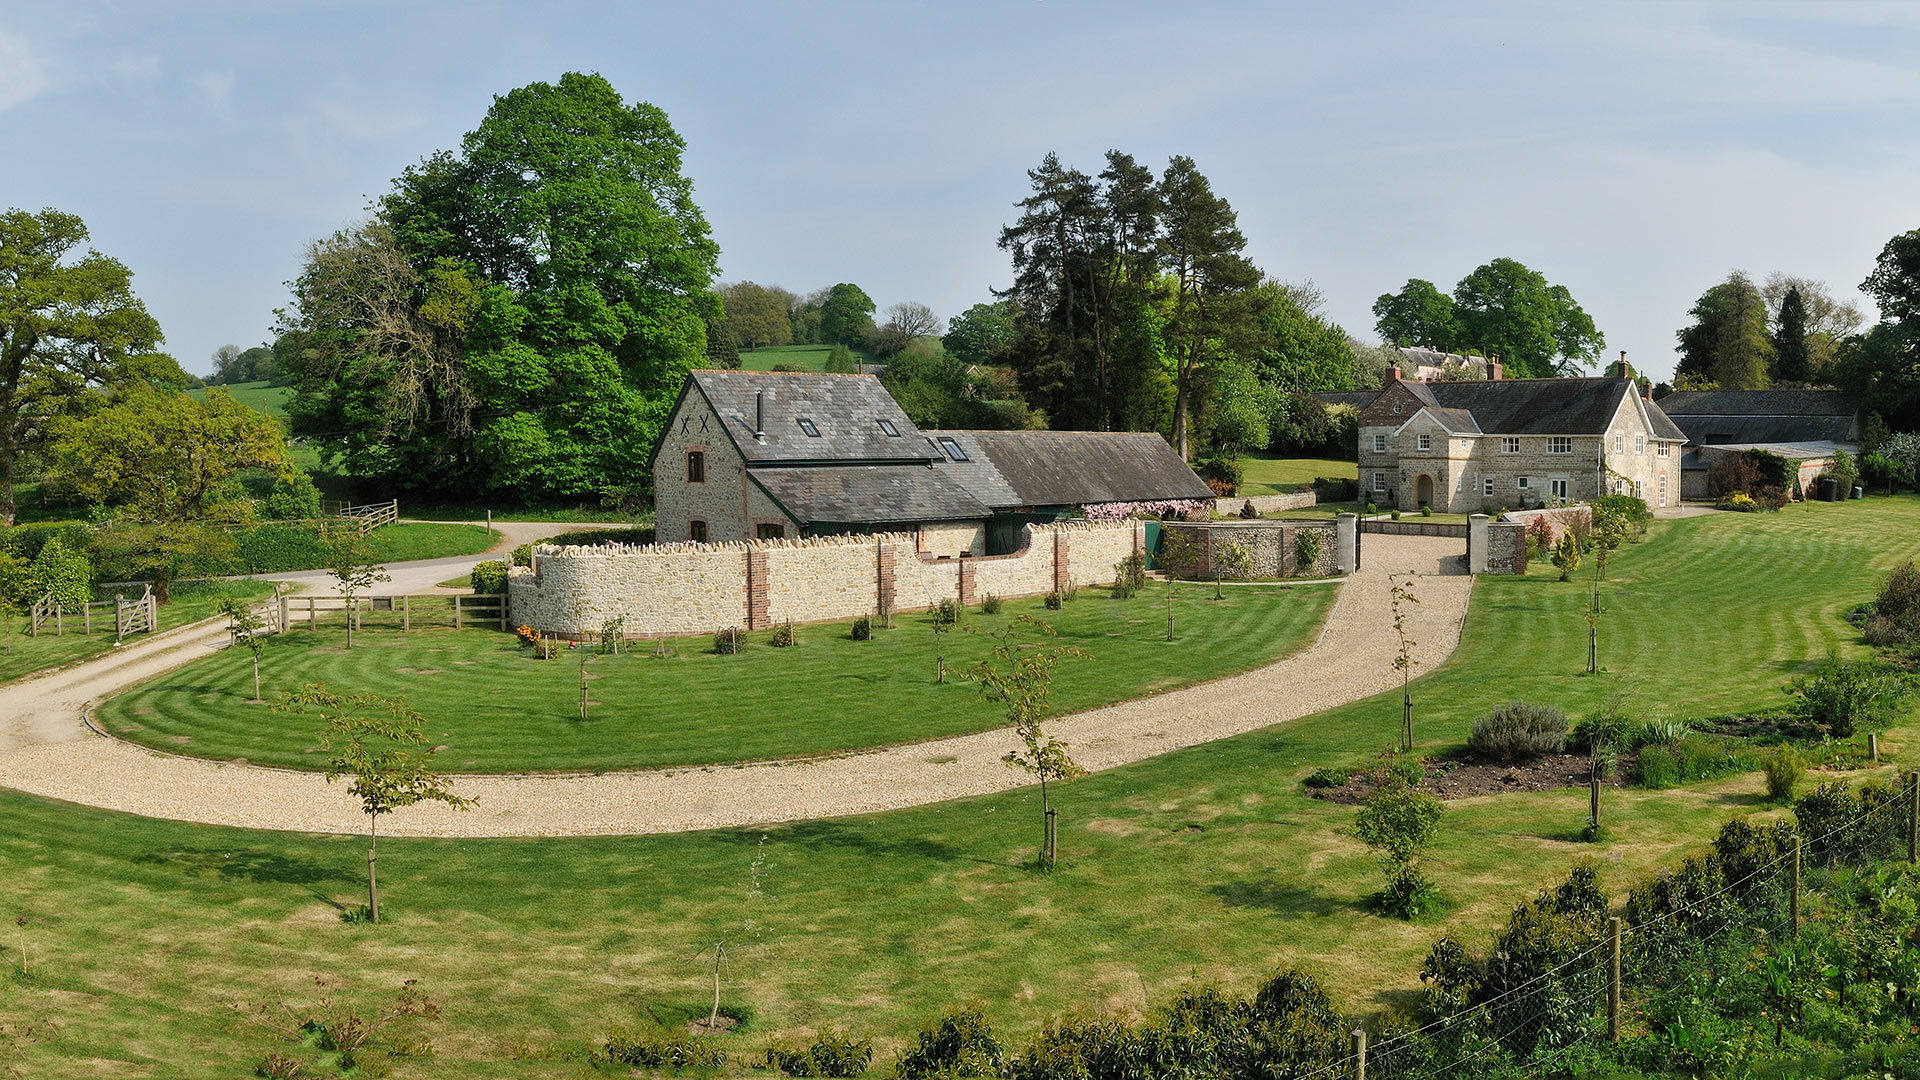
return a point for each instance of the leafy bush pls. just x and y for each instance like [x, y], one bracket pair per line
[489, 578]
[959, 1044]
[1129, 576]
[1224, 470]
[1053, 600]
[1770, 498]
[1426, 511]
[840, 361]
[642, 534]
[1842, 695]
[523, 555]
[1234, 562]
[1539, 537]
[729, 640]
[1306, 551]
[1784, 772]
[783, 636]
[61, 571]
[1609, 725]
[830, 1054]
[1083, 1047]
[1372, 509]
[946, 611]
[25, 541]
[992, 605]
[1566, 554]
[1693, 758]
[863, 628]
[1898, 603]
[1623, 515]
[1399, 822]
[1335, 489]
[1736, 500]
[1846, 470]
[293, 497]
[1518, 732]
[1329, 777]
[662, 1048]
[1845, 826]
[1247, 511]
[1660, 731]
[1732, 474]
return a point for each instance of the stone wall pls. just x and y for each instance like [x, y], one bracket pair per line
[696, 588]
[1266, 504]
[954, 538]
[1559, 519]
[1506, 548]
[1272, 547]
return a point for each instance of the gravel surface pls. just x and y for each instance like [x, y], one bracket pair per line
[55, 757]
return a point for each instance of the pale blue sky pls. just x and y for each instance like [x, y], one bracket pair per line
[1633, 152]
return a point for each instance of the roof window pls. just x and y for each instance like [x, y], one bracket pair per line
[806, 425]
[886, 425]
[953, 448]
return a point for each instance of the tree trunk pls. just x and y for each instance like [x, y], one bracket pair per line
[256, 678]
[1180, 413]
[373, 887]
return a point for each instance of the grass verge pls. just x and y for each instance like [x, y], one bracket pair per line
[192, 601]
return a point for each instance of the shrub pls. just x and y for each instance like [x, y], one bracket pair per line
[1399, 821]
[1247, 512]
[1731, 474]
[1306, 551]
[1882, 632]
[523, 555]
[1129, 576]
[1610, 725]
[1335, 489]
[1223, 470]
[1539, 537]
[293, 497]
[1394, 514]
[1658, 768]
[1566, 555]
[1426, 511]
[1082, 1048]
[1518, 732]
[863, 628]
[840, 361]
[1693, 758]
[1371, 508]
[946, 611]
[62, 571]
[1846, 470]
[1328, 777]
[1234, 562]
[1784, 771]
[992, 604]
[1898, 599]
[960, 1043]
[1736, 500]
[1849, 827]
[642, 534]
[1841, 695]
[662, 1048]
[1661, 731]
[830, 1054]
[729, 640]
[489, 578]
[783, 636]
[1622, 515]
[1053, 600]
[1769, 497]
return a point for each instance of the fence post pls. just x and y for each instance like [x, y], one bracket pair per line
[86, 619]
[285, 615]
[1793, 899]
[406, 614]
[1613, 980]
[1593, 811]
[503, 622]
[1052, 856]
[1873, 746]
[1359, 1054]
[456, 611]
[313, 616]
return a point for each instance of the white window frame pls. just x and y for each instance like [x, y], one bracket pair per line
[1379, 444]
[1379, 481]
[1560, 444]
[1557, 487]
[1640, 444]
[1486, 487]
[1509, 445]
[1521, 484]
[1663, 449]
[1619, 443]
[1426, 442]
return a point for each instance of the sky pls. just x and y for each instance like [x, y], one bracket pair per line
[1635, 153]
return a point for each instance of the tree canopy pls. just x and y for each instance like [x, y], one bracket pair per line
[1792, 359]
[1419, 314]
[519, 315]
[1728, 340]
[1502, 309]
[846, 314]
[1883, 364]
[757, 315]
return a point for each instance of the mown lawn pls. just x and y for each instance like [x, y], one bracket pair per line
[1208, 863]
[260, 396]
[805, 357]
[408, 540]
[22, 655]
[1273, 476]
[499, 710]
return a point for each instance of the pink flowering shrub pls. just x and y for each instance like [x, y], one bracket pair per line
[1191, 509]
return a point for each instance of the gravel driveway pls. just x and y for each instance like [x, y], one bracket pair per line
[1352, 659]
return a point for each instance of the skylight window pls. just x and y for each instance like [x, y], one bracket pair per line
[953, 449]
[886, 425]
[806, 425]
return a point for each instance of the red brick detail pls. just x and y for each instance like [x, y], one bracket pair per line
[1062, 561]
[966, 582]
[757, 590]
[883, 579]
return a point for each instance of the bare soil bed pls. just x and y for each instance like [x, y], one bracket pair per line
[1457, 778]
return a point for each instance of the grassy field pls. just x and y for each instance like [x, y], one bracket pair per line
[408, 540]
[499, 710]
[261, 396]
[1209, 863]
[1275, 476]
[23, 655]
[807, 357]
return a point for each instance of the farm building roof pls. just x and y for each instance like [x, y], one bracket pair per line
[1066, 468]
[869, 494]
[812, 417]
[1728, 417]
[1541, 406]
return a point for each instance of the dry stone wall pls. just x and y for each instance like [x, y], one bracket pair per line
[697, 588]
[1272, 548]
[1266, 504]
[1559, 519]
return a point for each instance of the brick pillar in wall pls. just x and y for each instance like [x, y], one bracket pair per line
[967, 574]
[1062, 562]
[757, 589]
[882, 579]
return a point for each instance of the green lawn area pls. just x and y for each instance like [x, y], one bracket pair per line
[408, 540]
[1274, 476]
[806, 357]
[1204, 864]
[499, 710]
[193, 601]
[261, 396]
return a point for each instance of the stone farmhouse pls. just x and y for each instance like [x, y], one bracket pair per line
[766, 456]
[1462, 446]
[1806, 427]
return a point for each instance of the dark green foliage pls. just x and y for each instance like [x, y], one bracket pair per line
[1224, 470]
[1785, 768]
[958, 1044]
[978, 334]
[61, 572]
[640, 534]
[25, 541]
[1846, 470]
[1329, 776]
[1419, 314]
[846, 315]
[1306, 551]
[1792, 359]
[675, 1050]
[832, 1053]
[1692, 758]
[1335, 489]
[1053, 600]
[489, 578]
[1129, 576]
[1842, 695]
[1518, 732]
[862, 629]
[1624, 515]
[729, 640]
[293, 498]
[1898, 603]
[1728, 341]
[1850, 826]
[523, 555]
[1084, 1048]
[992, 605]
[840, 361]
[783, 636]
[1536, 953]
[1399, 822]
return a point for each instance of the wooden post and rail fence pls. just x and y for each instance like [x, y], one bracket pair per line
[307, 611]
[141, 615]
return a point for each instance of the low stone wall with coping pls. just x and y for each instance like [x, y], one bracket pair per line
[1266, 504]
[1272, 549]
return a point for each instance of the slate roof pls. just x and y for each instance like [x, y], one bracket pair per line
[1458, 421]
[1760, 403]
[1716, 430]
[845, 409]
[977, 475]
[869, 494]
[1359, 399]
[1542, 406]
[1059, 468]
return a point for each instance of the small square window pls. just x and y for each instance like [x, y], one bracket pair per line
[1560, 444]
[696, 467]
[1509, 446]
[1379, 444]
[697, 531]
[953, 449]
[1379, 481]
[1663, 449]
[1426, 442]
[806, 425]
[887, 426]
[1522, 485]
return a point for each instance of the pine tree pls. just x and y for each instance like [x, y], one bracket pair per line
[1793, 360]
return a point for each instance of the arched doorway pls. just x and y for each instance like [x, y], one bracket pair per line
[1423, 491]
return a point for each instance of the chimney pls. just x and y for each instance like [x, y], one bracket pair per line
[1393, 373]
[1621, 370]
[1496, 370]
[760, 415]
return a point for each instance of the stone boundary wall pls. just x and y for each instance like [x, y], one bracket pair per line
[689, 588]
[1506, 548]
[1413, 528]
[1559, 519]
[1272, 546]
[1266, 504]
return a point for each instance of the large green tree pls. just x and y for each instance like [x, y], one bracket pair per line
[69, 322]
[557, 289]
[1201, 247]
[846, 314]
[977, 334]
[1419, 314]
[1792, 356]
[1536, 328]
[757, 315]
[1883, 364]
[1727, 341]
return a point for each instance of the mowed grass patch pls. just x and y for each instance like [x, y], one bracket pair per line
[406, 541]
[261, 396]
[1264, 475]
[804, 357]
[499, 710]
[192, 601]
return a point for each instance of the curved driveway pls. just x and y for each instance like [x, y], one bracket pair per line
[45, 750]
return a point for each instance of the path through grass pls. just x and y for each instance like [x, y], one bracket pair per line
[192, 601]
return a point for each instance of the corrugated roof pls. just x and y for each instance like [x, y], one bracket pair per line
[845, 409]
[1760, 403]
[1722, 430]
[1058, 468]
[869, 494]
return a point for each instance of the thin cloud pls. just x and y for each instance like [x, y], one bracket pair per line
[217, 86]
[22, 78]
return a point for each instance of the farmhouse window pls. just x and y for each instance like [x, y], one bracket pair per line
[1486, 488]
[886, 425]
[1619, 443]
[1522, 485]
[953, 449]
[1639, 444]
[697, 531]
[1663, 485]
[696, 466]
[1509, 446]
[1426, 442]
[1560, 444]
[1379, 481]
[1664, 449]
[770, 530]
[1557, 488]
[806, 425]
[1379, 444]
